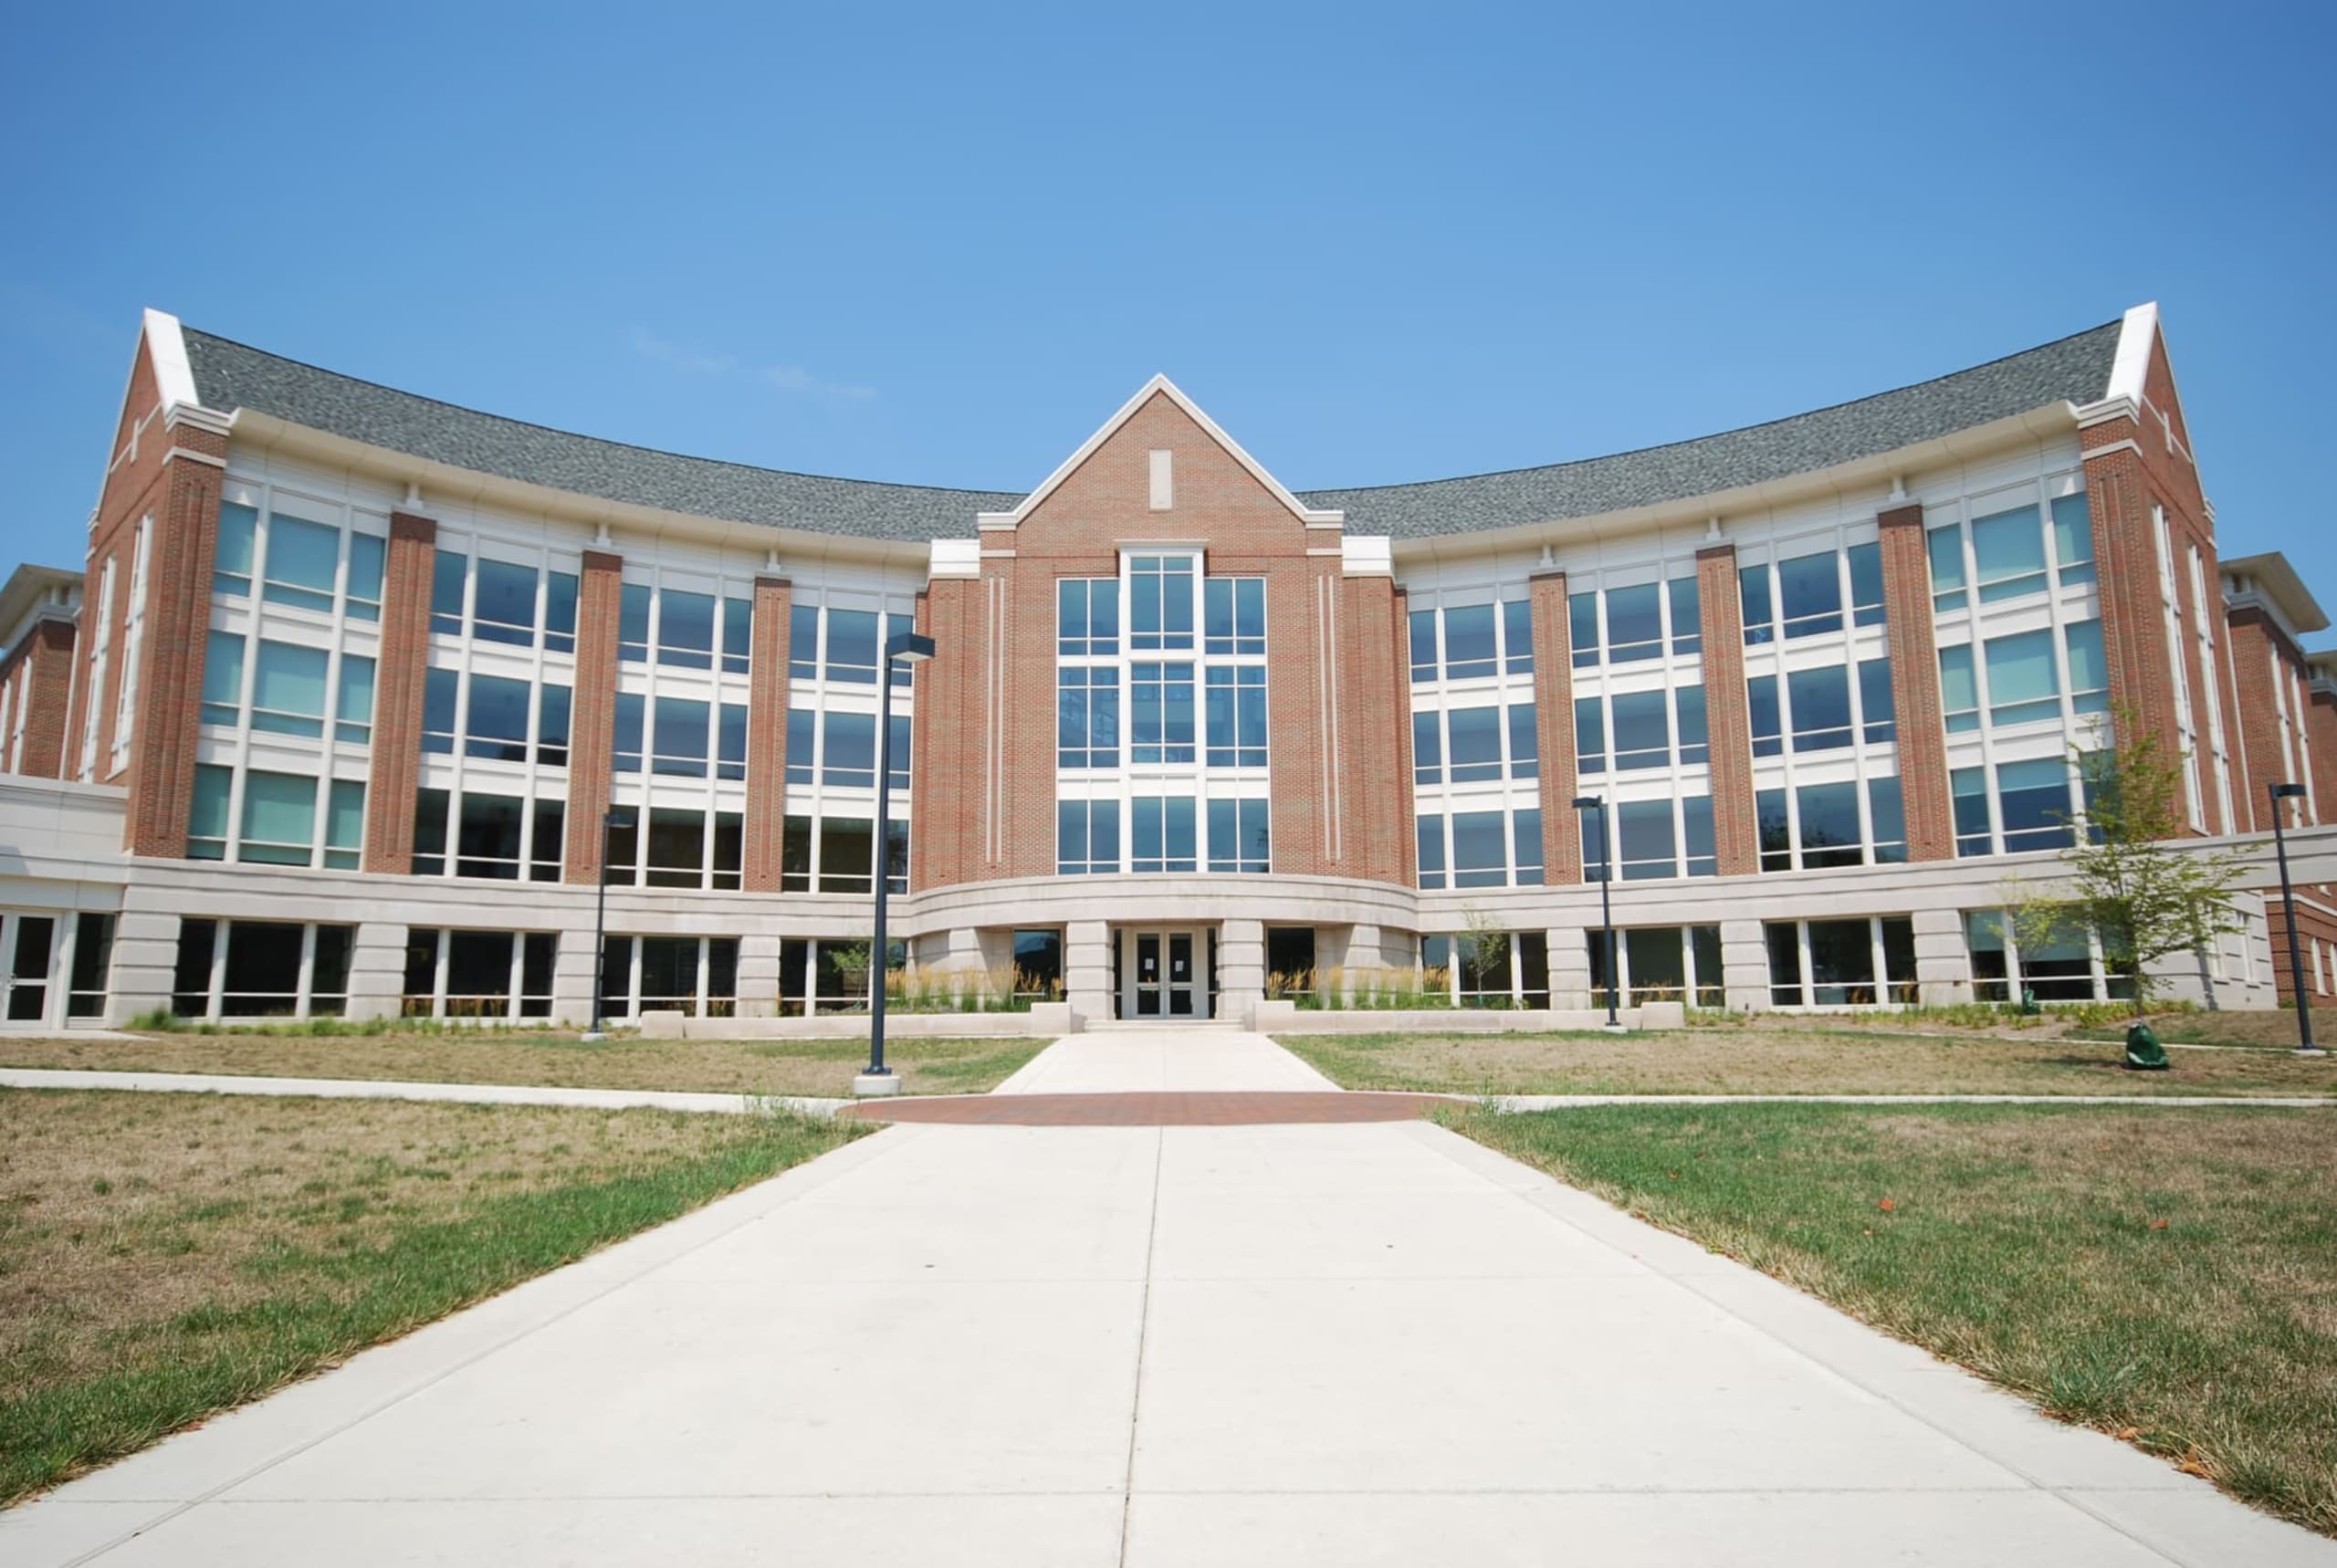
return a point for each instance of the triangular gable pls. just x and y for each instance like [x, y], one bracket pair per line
[1158, 385]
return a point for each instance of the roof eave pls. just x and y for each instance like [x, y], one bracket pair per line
[1886, 470]
[271, 433]
[2278, 584]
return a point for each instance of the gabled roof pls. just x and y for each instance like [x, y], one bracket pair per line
[1161, 386]
[229, 376]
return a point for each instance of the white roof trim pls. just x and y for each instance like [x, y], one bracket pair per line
[173, 374]
[1111, 426]
[2136, 335]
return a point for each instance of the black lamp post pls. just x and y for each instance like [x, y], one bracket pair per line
[905, 648]
[613, 818]
[1606, 908]
[2288, 897]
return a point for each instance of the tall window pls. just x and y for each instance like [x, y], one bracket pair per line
[520, 604]
[298, 553]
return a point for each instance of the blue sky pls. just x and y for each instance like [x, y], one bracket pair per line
[1377, 243]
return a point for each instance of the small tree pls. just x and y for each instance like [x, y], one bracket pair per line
[2127, 881]
[1484, 951]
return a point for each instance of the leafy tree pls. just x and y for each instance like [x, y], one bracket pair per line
[2128, 879]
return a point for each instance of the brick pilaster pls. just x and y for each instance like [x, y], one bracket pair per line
[592, 723]
[1554, 701]
[947, 775]
[399, 678]
[161, 772]
[1914, 685]
[1737, 836]
[766, 735]
[1375, 732]
[42, 666]
[2320, 731]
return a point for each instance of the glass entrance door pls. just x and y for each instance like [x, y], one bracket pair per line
[1147, 974]
[1166, 974]
[29, 941]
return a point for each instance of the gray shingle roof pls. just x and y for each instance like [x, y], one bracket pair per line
[2074, 369]
[230, 375]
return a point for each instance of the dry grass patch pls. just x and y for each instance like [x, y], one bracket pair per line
[164, 1256]
[1789, 1058]
[2169, 1276]
[821, 1068]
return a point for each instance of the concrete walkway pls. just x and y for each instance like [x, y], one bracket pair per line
[1105, 1345]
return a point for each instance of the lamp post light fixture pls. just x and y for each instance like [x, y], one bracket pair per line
[613, 818]
[1606, 907]
[903, 648]
[2289, 901]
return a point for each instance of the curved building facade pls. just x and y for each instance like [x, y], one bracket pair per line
[362, 698]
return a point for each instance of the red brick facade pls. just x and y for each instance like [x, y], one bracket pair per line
[165, 473]
[592, 722]
[1737, 833]
[401, 674]
[1914, 685]
[766, 824]
[989, 697]
[2321, 731]
[953, 777]
[1554, 707]
[2134, 464]
[38, 676]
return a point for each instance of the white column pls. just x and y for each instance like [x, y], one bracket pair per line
[571, 978]
[1087, 969]
[1942, 962]
[1570, 983]
[1744, 964]
[145, 956]
[377, 970]
[758, 975]
[1241, 968]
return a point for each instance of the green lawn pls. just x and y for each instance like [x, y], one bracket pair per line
[1791, 1056]
[2167, 1275]
[165, 1257]
[801, 1066]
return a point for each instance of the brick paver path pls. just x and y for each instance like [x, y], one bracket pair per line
[1168, 1108]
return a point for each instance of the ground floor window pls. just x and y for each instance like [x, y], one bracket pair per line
[823, 975]
[478, 974]
[1659, 964]
[29, 943]
[85, 996]
[1489, 970]
[1841, 963]
[1038, 966]
[2062, 965]
[1290, 960]
[261, 968]
[695, 976]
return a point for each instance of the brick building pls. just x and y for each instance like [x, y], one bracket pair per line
[344, 659]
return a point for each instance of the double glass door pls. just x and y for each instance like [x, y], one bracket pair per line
[1165, 975]
[27, 946]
